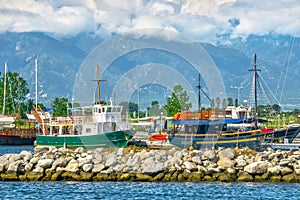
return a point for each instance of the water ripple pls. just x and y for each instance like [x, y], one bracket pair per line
[153, 191]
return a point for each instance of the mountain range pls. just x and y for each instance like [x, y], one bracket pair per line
[59, 60]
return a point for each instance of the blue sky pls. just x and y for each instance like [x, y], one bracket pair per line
[202, 20]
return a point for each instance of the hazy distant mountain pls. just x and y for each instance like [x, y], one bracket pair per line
[59, 60]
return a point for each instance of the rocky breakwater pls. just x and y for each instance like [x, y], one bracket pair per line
[125, 164]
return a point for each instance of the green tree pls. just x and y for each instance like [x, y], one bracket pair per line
[129, 107]
[236, 102]
[212, 104]
[16, 91]
[224, 103]
[179, 101]
[218, 103]
[155, 109]
[60, 107]
[276, 108]
[230, 101]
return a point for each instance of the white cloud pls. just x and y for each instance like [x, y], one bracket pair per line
[202, 20]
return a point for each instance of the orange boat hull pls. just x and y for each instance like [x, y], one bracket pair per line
[158, 136]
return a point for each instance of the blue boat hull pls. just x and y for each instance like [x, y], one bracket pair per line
[198, 142]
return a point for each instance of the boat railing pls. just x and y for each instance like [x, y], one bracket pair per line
[83, 119]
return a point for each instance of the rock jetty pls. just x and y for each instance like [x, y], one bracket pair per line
[133, 164]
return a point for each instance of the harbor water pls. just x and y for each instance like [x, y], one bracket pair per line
[143, 190]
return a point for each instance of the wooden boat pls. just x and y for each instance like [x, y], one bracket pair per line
[22, 133]
[284, 140]
[89, 127]
[213, 134]
[231, 127]
[13, 130]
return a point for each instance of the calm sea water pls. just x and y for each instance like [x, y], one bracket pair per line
[140, 190]
[153, 191]
[4, 149]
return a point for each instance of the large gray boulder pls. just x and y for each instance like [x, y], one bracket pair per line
[45, 163]
[14, 167]
[14, 157]
[226, 162]
[274, 170]
[227, 153]
[87, 167]
[190, 166]
[60, 162]
[38, 170]
[197, 160]
[98, 167]
[72, 166]
[40, 149]
[83, 161]
[210, 154]
[26, 155]
[111, 161]
[259, 167]
[154, 168]
[4, 162]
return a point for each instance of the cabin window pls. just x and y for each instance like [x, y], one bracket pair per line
[195, 129]
[119, 109]
[189, 129]
[242, 114]
[114, 109]
[109, 109]
[99, 110]
[103, 109]
[88, 130]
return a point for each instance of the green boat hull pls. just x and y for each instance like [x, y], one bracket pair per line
[106, 140]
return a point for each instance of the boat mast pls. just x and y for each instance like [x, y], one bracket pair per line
[255, 70]
[199, 96]
[19, 106]
[36, 83]
[98, 83]
[4, 89]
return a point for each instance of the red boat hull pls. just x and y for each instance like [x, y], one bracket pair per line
[157, 137]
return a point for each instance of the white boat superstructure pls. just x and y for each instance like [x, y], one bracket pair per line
[97, 118]
[238, 112]
[86, 120]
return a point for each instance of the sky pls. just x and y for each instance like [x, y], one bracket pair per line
[202, 20]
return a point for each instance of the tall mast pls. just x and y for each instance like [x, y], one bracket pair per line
[19, 106]
[255, 70]
[4, 89]
[98, 83]
[199, 95]
[36, 83]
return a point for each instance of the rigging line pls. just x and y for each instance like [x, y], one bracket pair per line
[251, 92]
[263, 91]
[282, 69]
[287, 69]
[269, 90]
